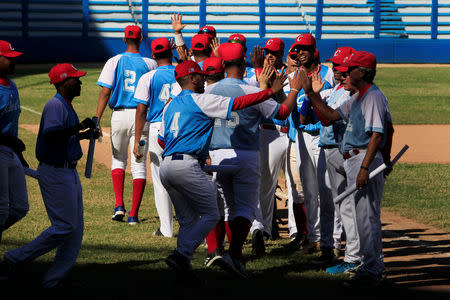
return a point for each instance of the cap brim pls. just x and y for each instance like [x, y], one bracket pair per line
[78, 74]
[341, 68]
[12, 54]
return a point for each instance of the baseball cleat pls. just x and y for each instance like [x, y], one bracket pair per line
[364, 279]
[178, 262]
[158, 233]
[119, 213]
[233, 266]
[258, 247]
[213, 257]
[342, 268]
[133, 220]
[327, 258]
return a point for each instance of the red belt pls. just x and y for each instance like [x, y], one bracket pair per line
[351, 153]
[283, 129]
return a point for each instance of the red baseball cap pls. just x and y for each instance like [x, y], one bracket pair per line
[305, 39]
[340, 54]
[6, 49]
[238, 38]
[200, 42]
[209, 31]
[161, 45]
[188, 67]
[133, 32]
[213, 65]
[274, 44]
[62, 71]
[231, 51]
[362, 59]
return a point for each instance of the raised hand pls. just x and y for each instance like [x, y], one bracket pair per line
[264, 78]
[176, 19]
[257, 58]
[215, 43]
[317, 84]
[295, 82]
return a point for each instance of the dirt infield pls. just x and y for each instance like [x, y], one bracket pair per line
[417, 256]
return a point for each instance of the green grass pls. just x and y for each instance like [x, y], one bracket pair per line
[416, 95]
[420, 192]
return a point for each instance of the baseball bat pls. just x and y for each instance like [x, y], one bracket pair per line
[372, 174]
[220, 168]
[30, 172]
[90, 155]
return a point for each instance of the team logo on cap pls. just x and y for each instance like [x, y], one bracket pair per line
[337, 52]
[191, 70]
[11, 47]
[299, 38]
[63, 75]
[269, 42]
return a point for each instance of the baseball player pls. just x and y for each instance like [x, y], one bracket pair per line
[330, 139]
[118, 80]
[312, 166]
[215, 70]
[236, 142]
[364, 149]
[13, 188]
[58, 150]
[152, 92]
[185, 134]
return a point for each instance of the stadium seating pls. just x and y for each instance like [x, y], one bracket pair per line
[283, 18]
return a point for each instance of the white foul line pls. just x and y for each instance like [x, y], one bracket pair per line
[38, 113]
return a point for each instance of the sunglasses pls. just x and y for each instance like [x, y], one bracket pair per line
[207, 31]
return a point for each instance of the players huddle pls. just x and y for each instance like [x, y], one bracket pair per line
[218, 131]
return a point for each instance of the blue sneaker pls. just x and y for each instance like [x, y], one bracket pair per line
[133, 220]
[342, 268]
[119, 213]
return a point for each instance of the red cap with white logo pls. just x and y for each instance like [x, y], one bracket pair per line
[6, 49]
[274, 44]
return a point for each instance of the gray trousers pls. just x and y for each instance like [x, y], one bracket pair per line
[345, 211]
[368, 215]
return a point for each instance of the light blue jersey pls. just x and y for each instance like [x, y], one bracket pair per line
[242, 130]
[121, 74]
[326, 74]
[331, 136]
[188, 121]
[364, 114]
[154, 89]
[9, 109]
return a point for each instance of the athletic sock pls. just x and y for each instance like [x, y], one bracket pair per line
[216, 237]
[300, 217]
[138, 192]
[118, 179]
[240, 228]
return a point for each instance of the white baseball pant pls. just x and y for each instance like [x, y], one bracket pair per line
[368, 215]
[273, 149]
[63, 199]
[194, 198]
[293, 183]
[13, 188]
[122, 140]
[162, 200]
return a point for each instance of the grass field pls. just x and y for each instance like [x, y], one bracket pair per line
[119, 260]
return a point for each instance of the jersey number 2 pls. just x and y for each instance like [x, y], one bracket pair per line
[130, 78]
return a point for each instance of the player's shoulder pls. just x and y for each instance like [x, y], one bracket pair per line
[151, 63]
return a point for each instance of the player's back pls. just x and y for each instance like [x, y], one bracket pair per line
[9, 109]
[242, 130]
[121, 74]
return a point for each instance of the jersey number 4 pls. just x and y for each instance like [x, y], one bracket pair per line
[174, 125]
[130, 79]
[164, 95]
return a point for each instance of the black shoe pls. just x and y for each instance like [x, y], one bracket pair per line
[15, 271]
[294, 244]
[258, 247]
[327, 258]
[158, 233]
[178, 262]
[364, 279]
[212, 257]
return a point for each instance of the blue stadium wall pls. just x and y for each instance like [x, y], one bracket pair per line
[87, 48]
